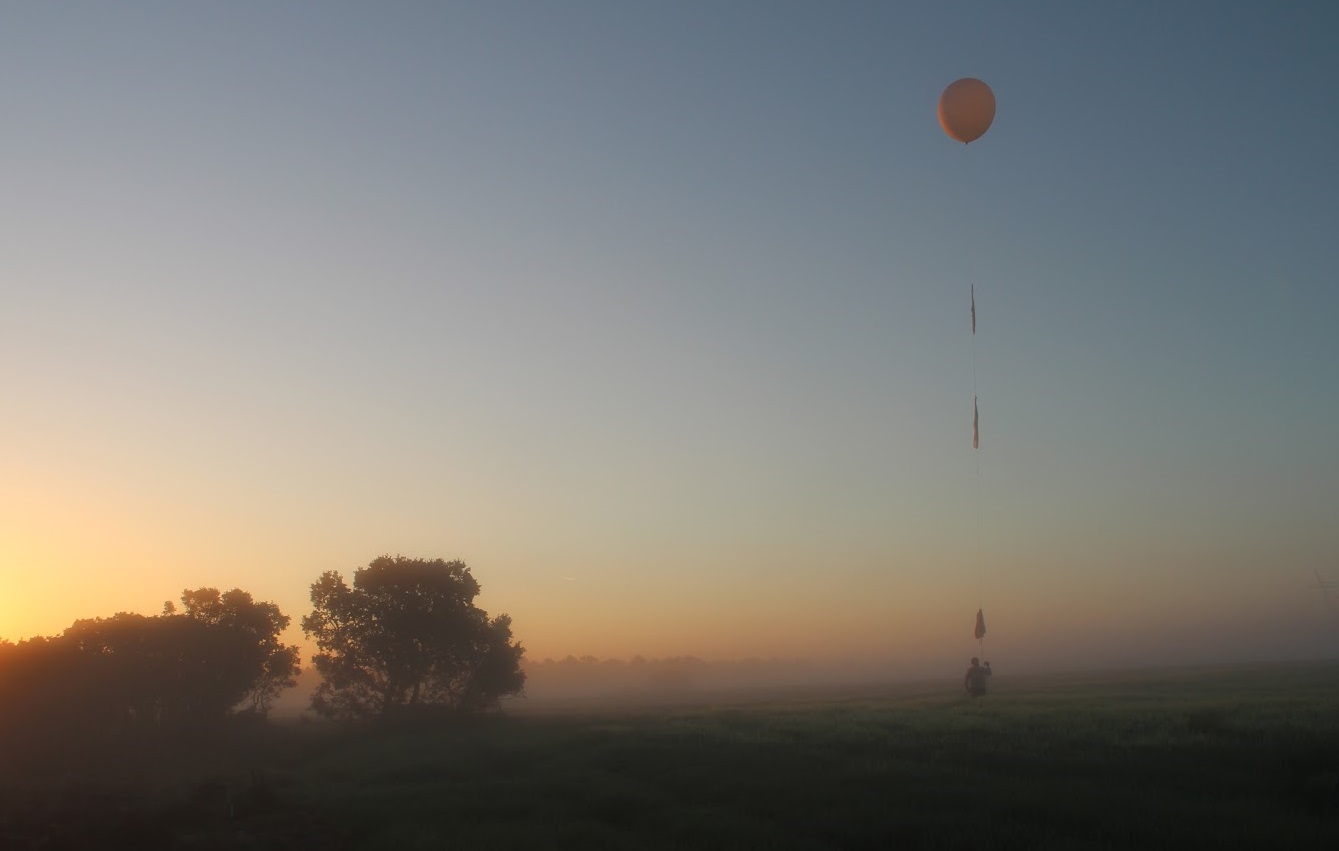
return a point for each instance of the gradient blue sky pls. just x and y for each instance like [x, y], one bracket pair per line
[656, 315]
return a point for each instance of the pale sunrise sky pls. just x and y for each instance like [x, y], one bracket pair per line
[656, 315]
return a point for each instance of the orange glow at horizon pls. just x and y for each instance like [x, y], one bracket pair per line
[913, 611]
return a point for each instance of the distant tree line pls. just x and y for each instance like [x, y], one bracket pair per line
[404, 639]
[592, 676]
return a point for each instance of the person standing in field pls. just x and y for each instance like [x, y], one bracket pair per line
[975, 679]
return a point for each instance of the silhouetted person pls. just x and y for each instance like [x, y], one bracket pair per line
[975, 680]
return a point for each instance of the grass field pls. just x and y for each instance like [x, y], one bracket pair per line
[1228, 758]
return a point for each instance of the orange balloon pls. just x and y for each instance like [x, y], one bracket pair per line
[966, 109]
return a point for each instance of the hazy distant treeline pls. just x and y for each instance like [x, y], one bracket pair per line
[588, 676]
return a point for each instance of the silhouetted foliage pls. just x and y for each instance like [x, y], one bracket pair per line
[268, 666]
[407, 638]
[129, 672]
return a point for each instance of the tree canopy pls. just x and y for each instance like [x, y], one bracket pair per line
[270, 665]
[129, 671]
[407, 638]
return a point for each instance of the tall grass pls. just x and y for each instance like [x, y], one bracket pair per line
[1236, 758]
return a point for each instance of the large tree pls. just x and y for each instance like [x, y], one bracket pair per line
[407, 638]
[262, 664]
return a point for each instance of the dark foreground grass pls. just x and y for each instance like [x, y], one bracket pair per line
[1235, 758]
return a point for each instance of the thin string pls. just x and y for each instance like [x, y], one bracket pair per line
[976, 454]
[976, 451]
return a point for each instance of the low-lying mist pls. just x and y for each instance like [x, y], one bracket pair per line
[613, 683]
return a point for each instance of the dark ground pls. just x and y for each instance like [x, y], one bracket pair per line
[1227, 758]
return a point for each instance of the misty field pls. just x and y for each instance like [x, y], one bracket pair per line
[1236, 757]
